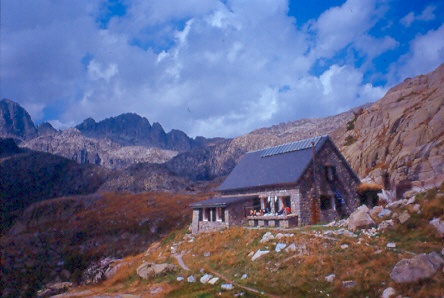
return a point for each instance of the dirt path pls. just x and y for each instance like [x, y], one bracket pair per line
[180, 261]
[241, 286]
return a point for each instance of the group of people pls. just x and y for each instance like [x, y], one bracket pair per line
[284, 211]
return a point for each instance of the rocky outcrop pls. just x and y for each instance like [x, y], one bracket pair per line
[15, 122]
[401, 135]
[360, 219]
[149, 270]
[46, 129]
[75, 146]
[417, 268]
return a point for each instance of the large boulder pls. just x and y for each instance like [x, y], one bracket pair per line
[439, 225]
[417, 268]
[360, 219]
[148, 270]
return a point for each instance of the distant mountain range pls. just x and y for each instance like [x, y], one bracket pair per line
[88, 171]
[398, 138]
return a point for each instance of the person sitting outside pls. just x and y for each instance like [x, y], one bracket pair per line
[284, 211]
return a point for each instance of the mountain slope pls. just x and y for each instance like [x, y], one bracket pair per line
[402, 134]
[15, 121]
[218, 160]
[28, 176]
[73, 145]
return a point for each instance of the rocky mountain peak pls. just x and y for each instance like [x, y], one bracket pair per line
[402, 134]
[15, 121]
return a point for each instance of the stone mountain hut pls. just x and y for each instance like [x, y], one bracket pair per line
[294, 184]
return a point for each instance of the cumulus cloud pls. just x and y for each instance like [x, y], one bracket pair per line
[212, 68]
[426, 15]
[426, 53]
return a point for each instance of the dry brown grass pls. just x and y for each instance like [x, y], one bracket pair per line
[367, 261]
[369, 186]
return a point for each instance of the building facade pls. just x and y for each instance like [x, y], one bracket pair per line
[294, 184]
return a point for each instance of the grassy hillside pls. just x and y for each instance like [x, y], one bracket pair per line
[58, 239]
[361, 264]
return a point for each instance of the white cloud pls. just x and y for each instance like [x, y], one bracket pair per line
[426, 53]
[338, 27]
[426, 15]
[212, 68]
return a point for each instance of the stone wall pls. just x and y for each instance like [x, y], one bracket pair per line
[346, 183]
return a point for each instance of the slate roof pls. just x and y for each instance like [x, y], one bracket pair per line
[220, 202]
[279, 165]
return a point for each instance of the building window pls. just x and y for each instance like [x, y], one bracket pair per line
[330, 173]
[206, 214]
[220, 214]
[327, 202]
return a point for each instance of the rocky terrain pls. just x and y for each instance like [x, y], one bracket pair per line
[72, 144]
[396, 141]
[15, 121]
[402, 134]
[392, 250]
[114, 143]
[134, 130]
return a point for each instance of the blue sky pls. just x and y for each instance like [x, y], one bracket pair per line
[211, 68]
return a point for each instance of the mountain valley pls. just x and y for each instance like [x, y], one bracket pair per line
[110, 189]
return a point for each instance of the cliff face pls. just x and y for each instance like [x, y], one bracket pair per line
[402, 134]
[15, 122]
[75, 146]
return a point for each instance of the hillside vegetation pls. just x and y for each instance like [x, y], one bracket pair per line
[361, 262]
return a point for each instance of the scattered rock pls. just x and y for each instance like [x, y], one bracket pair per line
[206, 278]
[97, 271]
[292, 247]
[207, 254]
[346, 233]
[389, 292]
[153, 291]
[259, 254]
[391, 245]
[280, 246]
[54, 289]
[267, 237]
[360, 219]
[349, 283]
[148, 270]
[376, 210]
[180, 278]
[244, 276]
[405, 216]
[384, 213]
[213, 281]
[279, 236]
[191, 279]
[227, 287]
[386, 224]
[417, 208]
[417, 268]
[396, 204]
[330, 278]
[344, 246]
[439, 225]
